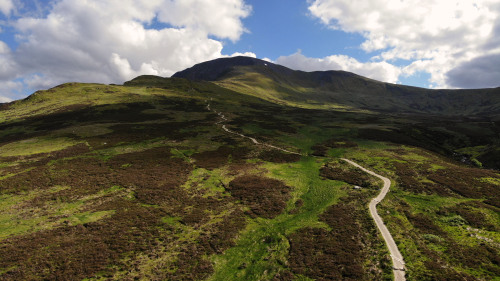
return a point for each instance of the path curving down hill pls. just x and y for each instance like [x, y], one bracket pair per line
[223, 119]
[397, 258]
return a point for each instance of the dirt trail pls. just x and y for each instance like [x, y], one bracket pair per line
[223, 119]
[397, 258]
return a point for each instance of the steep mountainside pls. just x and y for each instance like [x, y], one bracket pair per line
[339, 89]
[242, 179]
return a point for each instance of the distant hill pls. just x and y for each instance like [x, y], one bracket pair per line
[338, 89]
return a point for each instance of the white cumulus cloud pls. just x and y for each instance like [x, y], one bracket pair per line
[245, 54]
[6, 6]
[115, 40]
[444, 33]
[218, 17]
[8, 66]
[381, 71]
[4, 99]
[7, 90]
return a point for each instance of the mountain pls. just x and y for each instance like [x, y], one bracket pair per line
[236, 173]
[338, 89]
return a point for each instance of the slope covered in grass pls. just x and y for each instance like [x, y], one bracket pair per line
[108, 182]
[338, 90]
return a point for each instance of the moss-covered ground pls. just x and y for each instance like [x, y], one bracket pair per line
[107, 182]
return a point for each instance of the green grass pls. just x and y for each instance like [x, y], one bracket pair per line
[381, 158]
[410, 241]
[256, 84]
[336, 152]
[262, 247]
[35, 146]
[308, 136]
[86, 131]
[423, 203]
[254, 129]
[211, 182]
[183, 154]
[87, 217]
[84, 96]
[19, 215]
[122, 148]
[494, 181]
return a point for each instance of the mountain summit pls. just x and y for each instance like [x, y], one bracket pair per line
[338, 89]
[215, 69]
[223, 68]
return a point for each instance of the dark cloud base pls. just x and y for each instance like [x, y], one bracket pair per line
[481, 72]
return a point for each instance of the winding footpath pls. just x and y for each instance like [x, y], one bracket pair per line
[223, 119]
[397, 258]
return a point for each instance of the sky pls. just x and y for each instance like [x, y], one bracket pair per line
[424, 43]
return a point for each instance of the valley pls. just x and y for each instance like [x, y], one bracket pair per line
[189, 178]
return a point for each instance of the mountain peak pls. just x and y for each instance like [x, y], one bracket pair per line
[215, 69]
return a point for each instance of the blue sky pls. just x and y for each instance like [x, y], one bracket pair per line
[282, 27]
[425, 43]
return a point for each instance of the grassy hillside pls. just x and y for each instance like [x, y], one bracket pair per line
[107, 182]
[339, 90]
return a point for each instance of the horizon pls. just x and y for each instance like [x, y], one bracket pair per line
[452, 45]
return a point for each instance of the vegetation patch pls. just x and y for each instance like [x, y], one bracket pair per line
[409, 179]
[351, 250]
[472, 215]
[277, 156]
[342, 171]
[466, 182]
[112, 232]
[266, 197]
[153, 175]
[261, 250]
[44, 209]
[76, 252]
[323, 148]
[217, 158]
[35, 146]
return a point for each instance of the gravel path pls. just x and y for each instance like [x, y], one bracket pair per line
[397, 258]
[223, 119]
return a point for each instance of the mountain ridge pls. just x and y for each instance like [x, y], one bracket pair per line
[339, 89]
[200, 71]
